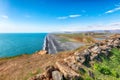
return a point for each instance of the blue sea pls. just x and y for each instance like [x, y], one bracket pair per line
[13, 44]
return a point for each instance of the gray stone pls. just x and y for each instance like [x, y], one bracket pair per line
[93, 57]
[95, 49]
[66, 70]
[48, 71]
[80, 59]
[56, 75]
[116, 43]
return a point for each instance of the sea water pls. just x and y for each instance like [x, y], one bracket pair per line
[13, 44]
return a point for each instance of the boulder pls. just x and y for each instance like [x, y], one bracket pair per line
[94, 49]
[110, 42]
[72, 63]
[67, 71]
[42, 52]
[83, 56]
[70, 59]
[48, 71]
[86, 52]
[93, 57]
[56, 75]
[105, 53]
[103, 46]
[80, 59]
[116, 43]
[38, 77]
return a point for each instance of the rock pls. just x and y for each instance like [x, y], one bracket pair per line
[80, 59]
[42, 52]
[94, 49]
[83, 56]
[34, 72]
[116, 43]
[38, 77]
[87, 55]
[56, 75]
[86, 52]
[103, 46]
[72, 63]
[48, 71]
[93, 57]
[67, 71]
[110, 42]
[72, 66]
[105, 53]
[70, 59]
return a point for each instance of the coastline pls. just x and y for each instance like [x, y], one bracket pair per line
[14, 44]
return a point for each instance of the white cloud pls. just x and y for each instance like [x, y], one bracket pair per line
[69, 16]
[63, 17]
[113, 10]
[74, 16]
[4, 16]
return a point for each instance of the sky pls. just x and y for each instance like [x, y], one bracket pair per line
[26, 16]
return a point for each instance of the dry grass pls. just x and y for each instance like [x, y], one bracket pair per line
[77, 38]
[25, 66]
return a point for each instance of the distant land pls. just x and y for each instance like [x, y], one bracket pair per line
[97, 31]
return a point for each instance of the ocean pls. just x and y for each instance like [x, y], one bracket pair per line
[13, 44]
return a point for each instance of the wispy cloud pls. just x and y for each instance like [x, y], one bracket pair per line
[74, 16]
[63, 17]
[4, 16]
[113, 10]
[69, 16]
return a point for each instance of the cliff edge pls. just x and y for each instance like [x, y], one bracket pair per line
[77, 65]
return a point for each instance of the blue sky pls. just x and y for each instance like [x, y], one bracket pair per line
[58, 15]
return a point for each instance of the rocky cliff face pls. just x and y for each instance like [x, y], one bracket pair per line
[52, 44]
[69, 67]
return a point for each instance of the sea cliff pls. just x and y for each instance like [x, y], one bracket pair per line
[78, 66]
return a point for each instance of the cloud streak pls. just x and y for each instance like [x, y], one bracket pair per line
[63, 17]
[74, 16]
[113, 10]
[69, 16]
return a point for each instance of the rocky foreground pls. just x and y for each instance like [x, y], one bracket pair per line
[69, 67]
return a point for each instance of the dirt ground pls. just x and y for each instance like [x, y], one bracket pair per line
[25, 66]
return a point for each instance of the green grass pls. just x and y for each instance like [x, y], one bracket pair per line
[108, 69]
[79, 37]
[64, 40]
